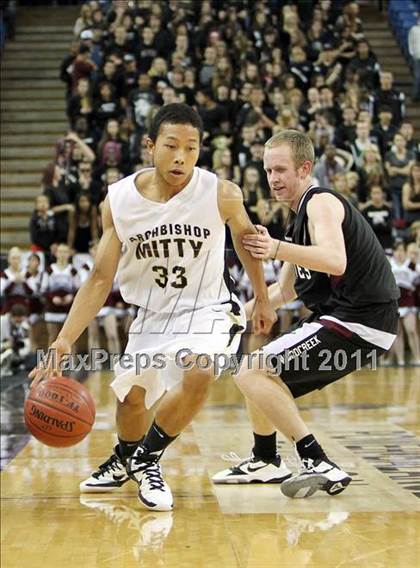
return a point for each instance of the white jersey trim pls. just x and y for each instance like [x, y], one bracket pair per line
[371, 335]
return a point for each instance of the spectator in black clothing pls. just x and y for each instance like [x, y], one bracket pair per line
[300, 67]
[213, 115]
[386, 95]
[379, 216]
[147, 50]
[252, 192]
[119, 43]
[59, 198]
[158, 71]
[85, 184]
[225, 98]
[264, 115]
[257, 153]
[80, 103]
[107, 106]
[85, 132]
[310, 107]
[110, 74]
[163, 38]
[327, 66]
[243, 147]
[67, 66]
[345, 132]
[384, 131]
[366, 65]
[330, 104]
[317, 40]
[345, 46]
[130, 74]
[176, 78]
[83, 225]
[42, 225]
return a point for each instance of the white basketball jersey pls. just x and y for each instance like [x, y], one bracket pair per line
[173, 253]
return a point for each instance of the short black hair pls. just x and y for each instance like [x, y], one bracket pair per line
[175, 113]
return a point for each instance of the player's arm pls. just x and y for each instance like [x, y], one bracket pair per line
[94, 292]
[233, 213]
[89, 299]
[327, 252]
[279, 293]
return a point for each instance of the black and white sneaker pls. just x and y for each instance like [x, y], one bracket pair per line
[109, 476]
[253, 470]
[316, 475]
[144, 468]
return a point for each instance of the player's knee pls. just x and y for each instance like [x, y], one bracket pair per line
[134, 399]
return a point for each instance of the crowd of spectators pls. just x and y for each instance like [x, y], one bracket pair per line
[250, 69]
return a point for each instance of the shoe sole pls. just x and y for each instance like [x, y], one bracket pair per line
[242, 481]
[101, 488]
[307, 486]
[151, 507]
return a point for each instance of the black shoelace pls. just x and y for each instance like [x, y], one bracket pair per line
[152, 473]
[111, 464]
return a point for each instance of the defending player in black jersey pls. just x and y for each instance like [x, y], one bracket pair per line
[336, 266]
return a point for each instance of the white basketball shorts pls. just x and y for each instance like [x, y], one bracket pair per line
[158, 344]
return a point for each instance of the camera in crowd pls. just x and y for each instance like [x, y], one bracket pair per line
[15, 344]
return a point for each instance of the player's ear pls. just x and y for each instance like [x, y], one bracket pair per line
[306, 168]
[150, 145]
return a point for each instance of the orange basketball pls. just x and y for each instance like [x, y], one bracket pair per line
[59, 412]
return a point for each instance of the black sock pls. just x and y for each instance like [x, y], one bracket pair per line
[265, 446]
[157, 439]
[126, 449]
[308, 447]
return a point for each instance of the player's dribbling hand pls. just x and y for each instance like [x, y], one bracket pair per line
[49, 367]
[263, 317]
[260, 245]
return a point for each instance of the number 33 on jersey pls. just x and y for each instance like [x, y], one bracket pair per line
[173, 253]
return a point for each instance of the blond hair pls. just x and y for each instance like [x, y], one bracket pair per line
[300, 145]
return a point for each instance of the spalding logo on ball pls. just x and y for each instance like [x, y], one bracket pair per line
[59, 412]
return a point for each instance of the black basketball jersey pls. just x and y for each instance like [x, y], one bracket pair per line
[368, 282]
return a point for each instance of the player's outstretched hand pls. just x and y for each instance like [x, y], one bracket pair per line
[49, 367]
[260, 245]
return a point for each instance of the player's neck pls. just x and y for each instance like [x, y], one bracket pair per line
[163, 190]
[302, 188]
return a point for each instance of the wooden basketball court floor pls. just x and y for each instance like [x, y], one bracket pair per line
[368, 423]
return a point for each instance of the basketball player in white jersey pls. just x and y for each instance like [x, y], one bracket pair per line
[165, 228]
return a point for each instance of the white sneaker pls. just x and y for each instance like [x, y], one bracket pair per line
[154, 493]
[109, 476]
[316, 475]
[253, 470]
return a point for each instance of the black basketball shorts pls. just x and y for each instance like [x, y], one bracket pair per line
[317, 352]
